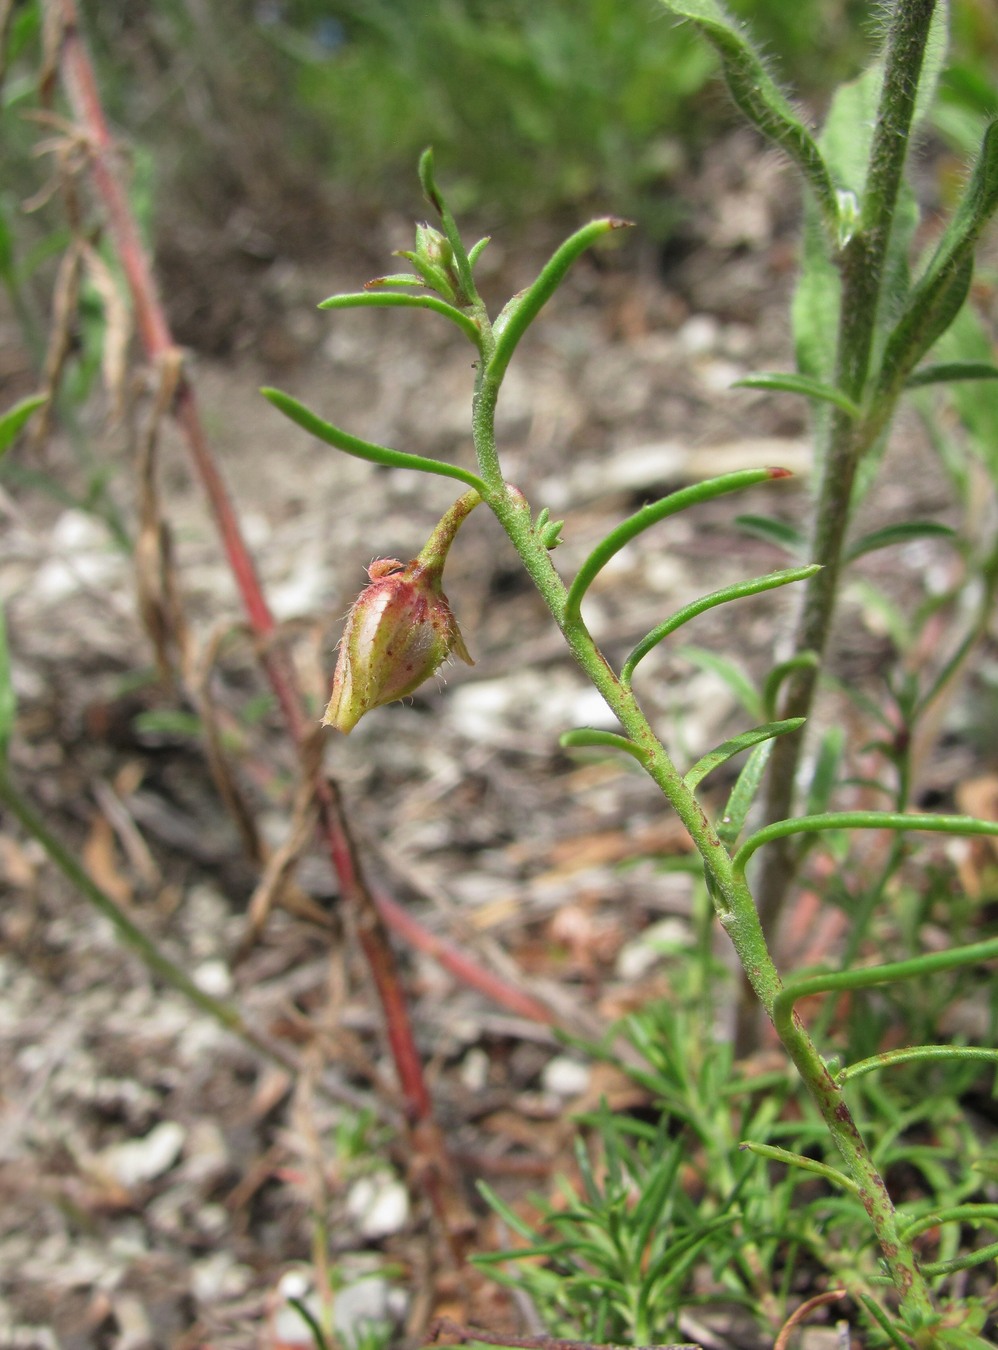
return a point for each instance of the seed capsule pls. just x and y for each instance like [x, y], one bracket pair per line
[400, 629]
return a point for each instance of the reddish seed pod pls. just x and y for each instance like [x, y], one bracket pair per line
[400, 629]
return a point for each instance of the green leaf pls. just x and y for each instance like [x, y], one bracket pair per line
[8, 699]
[775, 679]
[815, 306]
[353, 445]
[732, 819]
[727, 749]
[939, 294]
[898, 534]
[759, 98]
[476, 250]
[650, 515]
[402, 300]
[975, 401]
[908, 1055]
[782, 1155]
[732, 675]
[871, 820]
[435, 198]
[882, 609]
[805, 385]
[738, 591]
[826, 770]
[520, 313]
[586, 737]
[777, 532]
[14, 419]
[951, 371]
[395, 279]
[513, 1221]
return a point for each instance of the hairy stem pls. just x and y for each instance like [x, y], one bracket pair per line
[862, 263]
[733, 900]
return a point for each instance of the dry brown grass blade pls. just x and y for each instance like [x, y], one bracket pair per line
[117, 329]
[801, 1314]
[65, 299]
[199, 686]
[280, 867]
[156, 585]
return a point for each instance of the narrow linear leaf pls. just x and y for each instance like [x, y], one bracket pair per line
[965, 1262]
[738, 591]
[776, 1154]
[908, 1055]
[530, 302]
[433, 195]
[518, 1225]
[867, 977]
[826, 770]
[676, 1257]
[476, 250]
[14, 419]
[949, 372]
[319, 1339]
[353, 445]
[777, 532]
[938, 296]
[778, 676]
[898, 534]
[727, 749]
[863, 820]
[732, 819]
[395, 279]
[403, 300]
[586, 737]
[759, 97]
[650, 515]
[806, 385]
[732, 675]
[886, 1321]
[8, 701]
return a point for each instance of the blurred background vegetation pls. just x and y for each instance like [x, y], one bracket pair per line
[270, 118]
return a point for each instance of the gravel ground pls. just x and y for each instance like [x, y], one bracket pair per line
[159, 1180]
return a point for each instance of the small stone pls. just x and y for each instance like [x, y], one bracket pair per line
[566, 1077]
[140, 1160]
[380, 1205]
[362, 1305]
[474, 1070]
[214, 978]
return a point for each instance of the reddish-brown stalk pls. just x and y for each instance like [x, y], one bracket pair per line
[370, 913]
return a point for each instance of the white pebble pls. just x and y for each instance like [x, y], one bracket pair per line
[379, 1204]
[138, 1160]
[566, 1077]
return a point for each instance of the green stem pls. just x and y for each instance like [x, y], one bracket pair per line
[733, 901]
[862, 264]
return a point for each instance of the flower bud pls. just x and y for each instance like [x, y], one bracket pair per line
[433, 259]
[400, 629]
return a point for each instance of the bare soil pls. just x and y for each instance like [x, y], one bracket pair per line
[158, 1178]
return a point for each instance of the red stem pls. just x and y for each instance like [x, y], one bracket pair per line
[84, 98]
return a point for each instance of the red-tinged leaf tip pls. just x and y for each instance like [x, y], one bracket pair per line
[774, 472]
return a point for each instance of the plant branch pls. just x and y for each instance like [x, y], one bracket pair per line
[862, 264]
